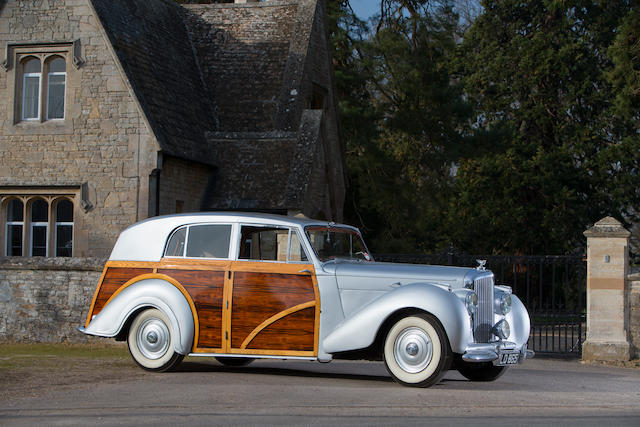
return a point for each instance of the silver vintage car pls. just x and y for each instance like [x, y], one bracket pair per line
[243, 286]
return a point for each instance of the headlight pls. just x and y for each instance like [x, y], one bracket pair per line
[471, 301]
[503, 304]
[501, 329]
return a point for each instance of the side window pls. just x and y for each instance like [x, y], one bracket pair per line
[39, 227]
[209, 241]
[56, 81]
[264, 243]
[31, 73]
[271, 244]
[64, 228]
[176, 243]
[296, 250]
[15, 224]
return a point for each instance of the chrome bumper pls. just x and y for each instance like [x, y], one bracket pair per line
[490, 352]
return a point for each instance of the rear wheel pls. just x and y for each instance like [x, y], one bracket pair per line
[150, 342]
[416, 351]
[235, 361]
[483, 371]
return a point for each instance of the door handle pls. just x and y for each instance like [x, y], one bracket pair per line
[395, 285]
[305, 271]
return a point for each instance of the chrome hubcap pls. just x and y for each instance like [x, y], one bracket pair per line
[413, 350]
[153, 338]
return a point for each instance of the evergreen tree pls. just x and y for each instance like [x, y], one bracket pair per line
[551, 155]
[400, 115]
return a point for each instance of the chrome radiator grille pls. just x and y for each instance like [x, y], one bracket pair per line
[483, 318]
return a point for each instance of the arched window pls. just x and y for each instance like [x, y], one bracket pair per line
[64, 228]
[15, 226]
[56, 80]
[39, 227]
[31, 73]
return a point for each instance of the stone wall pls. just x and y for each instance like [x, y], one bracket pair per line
[103, 141]
[634, 312]
[46, 299]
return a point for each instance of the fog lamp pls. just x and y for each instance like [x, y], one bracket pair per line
[502, 329]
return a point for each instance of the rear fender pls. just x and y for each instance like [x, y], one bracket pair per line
[156, 293]
[360, 330]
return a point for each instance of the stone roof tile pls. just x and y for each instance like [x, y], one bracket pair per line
[156, 53]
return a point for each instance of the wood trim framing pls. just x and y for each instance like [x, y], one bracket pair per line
[274, 319]
[230, 268]
[95, 295]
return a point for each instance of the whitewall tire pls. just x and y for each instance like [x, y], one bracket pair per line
[416, 351]
[150, 341]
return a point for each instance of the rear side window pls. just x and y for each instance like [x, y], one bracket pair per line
[209, 241]
[176, 243]
[201, 241]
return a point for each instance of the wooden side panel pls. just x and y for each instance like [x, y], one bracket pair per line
[293, 332]
[257, 296]
[113, 279]
[206, 289]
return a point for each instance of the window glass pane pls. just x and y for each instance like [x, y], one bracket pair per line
[64, 211]
[39, 211]
[55, 106]
[176, 243]
[209, 241]
[31, 97]
[296, 252]
[32, 65]
[14, 240]
[14, 211]
[57, 65]
[265, 244]
[64, 240]
[39, 240]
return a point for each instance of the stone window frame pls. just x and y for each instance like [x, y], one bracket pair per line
[52, 197]
[16, 53]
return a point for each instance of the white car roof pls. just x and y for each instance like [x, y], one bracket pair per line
[145, 240]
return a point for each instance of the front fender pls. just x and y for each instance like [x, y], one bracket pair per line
[360, 330]
[519, 321]
[155, 293]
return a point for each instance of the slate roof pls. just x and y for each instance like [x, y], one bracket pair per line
[221, 84]
[153, 46]
[269, 171]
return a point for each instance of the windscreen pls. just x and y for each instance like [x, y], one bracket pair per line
[337, 243]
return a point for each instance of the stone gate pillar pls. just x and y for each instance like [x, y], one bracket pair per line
[607, 293]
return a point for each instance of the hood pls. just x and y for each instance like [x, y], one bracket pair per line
[381, 275]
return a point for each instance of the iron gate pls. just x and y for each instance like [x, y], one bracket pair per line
[553, 288]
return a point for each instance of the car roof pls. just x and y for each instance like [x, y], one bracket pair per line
[145, 240]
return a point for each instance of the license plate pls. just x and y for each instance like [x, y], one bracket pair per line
[508, 359]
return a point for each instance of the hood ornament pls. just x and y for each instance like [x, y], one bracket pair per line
[481, 264]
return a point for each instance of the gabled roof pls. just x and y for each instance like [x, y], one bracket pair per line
[152, 44]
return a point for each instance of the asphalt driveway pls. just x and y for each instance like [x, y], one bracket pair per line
[63, 389]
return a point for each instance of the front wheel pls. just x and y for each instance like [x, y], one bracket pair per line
[483, 371]
[416, 351]
[150, 342]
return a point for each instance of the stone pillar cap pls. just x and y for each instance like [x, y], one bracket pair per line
[607, 227]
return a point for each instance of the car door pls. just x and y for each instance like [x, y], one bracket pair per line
[274, 299]
[197, 259]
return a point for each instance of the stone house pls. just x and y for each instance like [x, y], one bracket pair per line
[112, 111]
